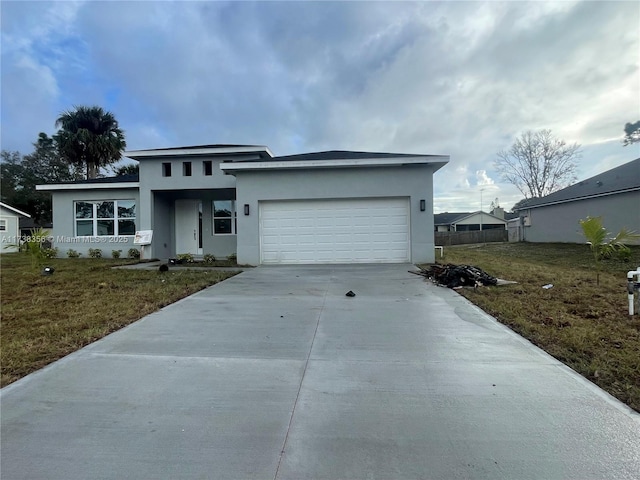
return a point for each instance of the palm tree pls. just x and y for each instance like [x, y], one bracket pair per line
[89, 136]
[602, 243]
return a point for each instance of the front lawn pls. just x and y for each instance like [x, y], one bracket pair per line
[44, 318]
[582, 324]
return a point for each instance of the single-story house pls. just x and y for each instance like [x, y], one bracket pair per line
[613, 195]
[10, 227]
[468, 221]
[223, 200]
[27, 225]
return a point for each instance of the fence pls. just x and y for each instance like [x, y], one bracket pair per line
[475, 236]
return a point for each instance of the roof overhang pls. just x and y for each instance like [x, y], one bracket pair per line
[259, 151]
[14, 210]
[436, 161]
[88, 186]
[577, 199]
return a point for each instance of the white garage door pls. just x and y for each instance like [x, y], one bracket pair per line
[335, 231]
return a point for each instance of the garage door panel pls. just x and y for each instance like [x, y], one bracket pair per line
[335, 231]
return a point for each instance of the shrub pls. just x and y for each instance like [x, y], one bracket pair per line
[116, 253]
[95, 253]
[34, 244]
[71, 253]
[208, 258]
[233, 257]
[133, 253]
[185, 258]
[50, 252]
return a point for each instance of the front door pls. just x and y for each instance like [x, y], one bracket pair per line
[188, 220]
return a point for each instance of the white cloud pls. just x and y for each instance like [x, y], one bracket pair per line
[482, 179]
[456, 78]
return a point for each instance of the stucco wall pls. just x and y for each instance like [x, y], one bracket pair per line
[64, 220]
[157, 202]
[163, 225]
[10, 236]
[415, 182]
[560, 223]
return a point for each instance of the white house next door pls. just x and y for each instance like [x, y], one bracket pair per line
[188, 222]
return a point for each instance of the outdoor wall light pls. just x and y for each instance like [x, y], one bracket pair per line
[423, 205]
[246, 209]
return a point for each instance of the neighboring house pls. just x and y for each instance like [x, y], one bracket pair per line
[324, 207]
[468, 221]
[29, 224]
[613, 195]
[10, 227]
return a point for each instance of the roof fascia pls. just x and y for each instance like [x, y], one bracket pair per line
[13, 209]
[88, 186]
[191, 152]
[437, 161]
[586, 197]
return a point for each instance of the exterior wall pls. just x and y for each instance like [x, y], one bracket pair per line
[63, 231]
[163, 225]
[11, 235]
[474, 222]
[415, 182]
[159, 193]
[560, 223]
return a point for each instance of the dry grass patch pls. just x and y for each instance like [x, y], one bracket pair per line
[582, 324]
[44, 318]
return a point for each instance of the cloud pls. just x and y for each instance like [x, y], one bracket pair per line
[457, 78]
[482, 179]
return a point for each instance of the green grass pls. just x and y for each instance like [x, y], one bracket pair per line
[44, 318]
[582, 324]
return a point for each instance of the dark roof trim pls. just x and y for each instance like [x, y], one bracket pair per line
[624, 178]
[122, 181]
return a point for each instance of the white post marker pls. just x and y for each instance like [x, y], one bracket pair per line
[631, 287]
[142, 238]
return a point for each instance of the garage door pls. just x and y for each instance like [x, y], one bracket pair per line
[335, 231]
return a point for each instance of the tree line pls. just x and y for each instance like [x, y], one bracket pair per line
[88, 139]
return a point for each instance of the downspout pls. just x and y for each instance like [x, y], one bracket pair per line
[632, 287]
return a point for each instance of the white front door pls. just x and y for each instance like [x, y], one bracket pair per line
[188, 214]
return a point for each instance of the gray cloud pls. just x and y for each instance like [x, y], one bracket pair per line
[458, 78]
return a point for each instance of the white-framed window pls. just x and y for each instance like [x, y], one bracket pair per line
[224, 217]
[105, 218]
[3, 224]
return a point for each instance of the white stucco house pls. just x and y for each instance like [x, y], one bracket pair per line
[322, 207]
[468, 221]
[613, 195]
[10, 227]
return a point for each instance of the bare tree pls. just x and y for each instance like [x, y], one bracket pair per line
[631, 133]
[538, 163]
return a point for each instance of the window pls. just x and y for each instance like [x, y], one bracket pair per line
[166, 169]
[207, 168]
[3, 225]
[105, 218]
[186, 169]
[224, 217]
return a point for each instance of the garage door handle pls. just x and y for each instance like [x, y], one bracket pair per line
[194, 234]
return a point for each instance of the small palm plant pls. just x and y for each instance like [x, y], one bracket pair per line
[602, 244]
[32, 245]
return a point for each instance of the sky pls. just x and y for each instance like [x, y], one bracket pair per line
[463, 79]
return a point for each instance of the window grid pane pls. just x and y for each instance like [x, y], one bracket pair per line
[105, 218]
[84, 228]
[224, 216]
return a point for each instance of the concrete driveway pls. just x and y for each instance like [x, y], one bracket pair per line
[275, 374]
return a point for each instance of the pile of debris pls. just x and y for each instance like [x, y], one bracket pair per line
[455, 276]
